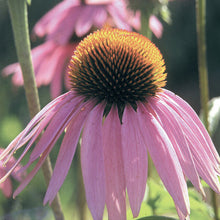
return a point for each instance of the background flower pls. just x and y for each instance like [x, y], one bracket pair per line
[80, 17]
[6, 186]
[50, 62]
[63, 26]
[156, 26]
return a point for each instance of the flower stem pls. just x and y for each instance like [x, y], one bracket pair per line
[18, 14]
[203, 74]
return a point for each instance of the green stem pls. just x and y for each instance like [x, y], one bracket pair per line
[81, 198]
[18, 14]
[203, 73]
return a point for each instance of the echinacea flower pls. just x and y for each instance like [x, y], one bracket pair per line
[79, 17]
[6, 186]
[67, 20]
[118, 103]
[50, 62]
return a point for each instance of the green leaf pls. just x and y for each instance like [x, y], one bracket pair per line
[214, 114]
[159, 199]
[10, 127]
[144, 211]
[156, 218]
[198, 208]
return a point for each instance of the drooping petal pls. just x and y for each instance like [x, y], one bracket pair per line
[118, 13]
[100, 16]
[15, 69]
[92, 163]
[114, 170]
[15, 164]
[29, 177]
[164, 158]
[173, 127]
[67, 151]
[19, 142]
[6, 186]
[43, 25]
[59, 122]
[135, 159]
[33, 172]
[181, 215]
[206, 164]
[85, 20]
[156, 26]
[53, 106]
[56, 83]
[189, 115]
[57, 30]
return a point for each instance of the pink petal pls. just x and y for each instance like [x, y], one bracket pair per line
[21, 139]
[42, 26]
[119, 16]
[51, 109]
[57, 31]
[64, 56]
[8, 166]
[135, 159]
[6, 187]
[10, 147]
[66, 153]
[99, 2]
[100, 17]
[30, 176]
[15, 165]
[164, 158]
[15, 68]
[56, 126]
[172, 124]
[114, 170]
[206, 164]
[193, 120]
[37, 167]
[85, 20]
[156, 26]
[181, 215]
[203, 164]
[92, 163]
[53, 106]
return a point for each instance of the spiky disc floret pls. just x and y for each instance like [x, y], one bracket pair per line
[117, 67]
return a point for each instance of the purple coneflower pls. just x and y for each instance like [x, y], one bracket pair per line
[80, 16]
[118, 104]
[50, 62]
[6, 186]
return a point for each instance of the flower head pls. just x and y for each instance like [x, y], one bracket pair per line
[118, 68]
[119, 75]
